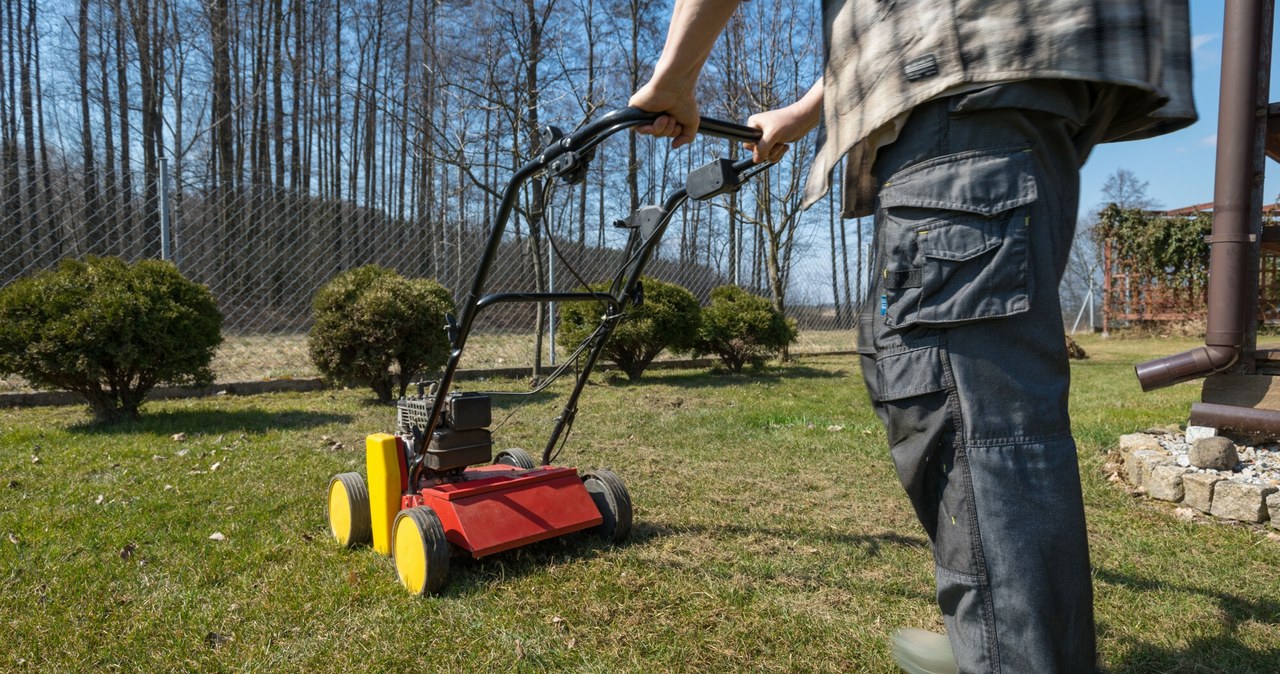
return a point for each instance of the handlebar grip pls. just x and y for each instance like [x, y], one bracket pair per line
[729, 130]
[707, 127]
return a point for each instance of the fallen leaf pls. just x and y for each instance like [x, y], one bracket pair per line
[215, 466]
[179, 437]
[571, 643]
[100, 498]
[167, 487]
[35, 459]
[1185, 514]
[127, 551]
[835, 428]
[352, 579]
[325, 438]
[217, 536]
[157, 457]
[13, 538]
[306, 538]
[519, 650]
[182, 452]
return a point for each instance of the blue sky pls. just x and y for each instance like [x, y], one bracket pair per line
[1178, 166]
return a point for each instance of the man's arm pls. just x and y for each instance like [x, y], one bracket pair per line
[785, 125]
[695, 25]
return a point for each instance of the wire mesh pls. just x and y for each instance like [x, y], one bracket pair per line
[264, 250]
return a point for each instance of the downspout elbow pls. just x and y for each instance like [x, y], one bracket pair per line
[1198, 362]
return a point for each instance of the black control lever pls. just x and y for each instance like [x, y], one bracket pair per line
[720, 176]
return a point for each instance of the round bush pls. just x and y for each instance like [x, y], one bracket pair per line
[109, 331]
[741, 328]
[666, 319]
[376, 328]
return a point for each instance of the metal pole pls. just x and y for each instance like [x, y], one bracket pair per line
[1091, 328]
[166, 248]
[1087, 304]
[551, 306]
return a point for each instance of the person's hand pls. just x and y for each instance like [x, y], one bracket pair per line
[784, 125]
[679, 119]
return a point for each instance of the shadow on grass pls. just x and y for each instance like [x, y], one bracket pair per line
[871, 544]
[168, 422]
[721, 379]
[1221, 653]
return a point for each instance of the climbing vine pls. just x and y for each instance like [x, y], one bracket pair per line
[1160, 249]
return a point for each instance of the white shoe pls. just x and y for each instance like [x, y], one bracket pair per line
[919, 651]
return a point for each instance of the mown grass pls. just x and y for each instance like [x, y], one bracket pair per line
[771, 535]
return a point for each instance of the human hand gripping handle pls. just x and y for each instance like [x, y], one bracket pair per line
[785, 125]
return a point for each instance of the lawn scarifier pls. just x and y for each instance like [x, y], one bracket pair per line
[434, 488]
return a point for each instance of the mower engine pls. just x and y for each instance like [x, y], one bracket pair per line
[462, 439]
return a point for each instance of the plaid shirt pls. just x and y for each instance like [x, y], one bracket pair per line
[884, 57]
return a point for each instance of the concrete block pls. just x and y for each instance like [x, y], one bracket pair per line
[1135, 441]
[1199, 433]
[1273, 508]
[1241, 501]
[1137, 461]
[1197, 490]
[1165, 483]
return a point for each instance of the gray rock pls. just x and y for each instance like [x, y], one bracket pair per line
[1217, 453]
[1197, 490]
[1241, 501]
[1273, 507]
[1136, 461]
[1199, 432]
[1165, 482]
[1136, 441]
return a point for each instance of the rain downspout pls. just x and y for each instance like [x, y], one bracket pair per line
[1232, 203]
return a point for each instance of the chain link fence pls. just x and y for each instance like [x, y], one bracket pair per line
[265, 250]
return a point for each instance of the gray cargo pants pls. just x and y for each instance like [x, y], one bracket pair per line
[963, 355]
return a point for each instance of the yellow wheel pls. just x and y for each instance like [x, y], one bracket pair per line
[348, 510]
[421, 551]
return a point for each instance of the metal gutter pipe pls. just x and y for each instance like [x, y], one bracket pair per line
[1232, 203]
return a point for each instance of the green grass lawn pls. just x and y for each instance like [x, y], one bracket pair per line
[771, 535]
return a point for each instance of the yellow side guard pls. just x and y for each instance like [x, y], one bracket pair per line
[383, 463]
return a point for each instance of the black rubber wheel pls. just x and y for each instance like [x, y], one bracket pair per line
[515, 457]
[613, 502]
[420, 550]
[347, 509]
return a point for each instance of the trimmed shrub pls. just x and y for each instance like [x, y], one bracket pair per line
[378, 329]
[741, 328]
[667, 319]
[109, 331]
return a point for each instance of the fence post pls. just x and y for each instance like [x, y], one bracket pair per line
[166, 246]
[551, 309]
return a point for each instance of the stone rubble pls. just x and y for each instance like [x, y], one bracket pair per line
[1163, 464]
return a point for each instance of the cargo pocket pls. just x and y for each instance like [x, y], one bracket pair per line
[908, 373]
[955, 239]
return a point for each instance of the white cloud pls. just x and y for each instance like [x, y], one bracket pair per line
[1198, 41]
[1210, 141]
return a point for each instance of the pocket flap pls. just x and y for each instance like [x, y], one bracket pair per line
[960, 239]
[985, 182]
[909, 373]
